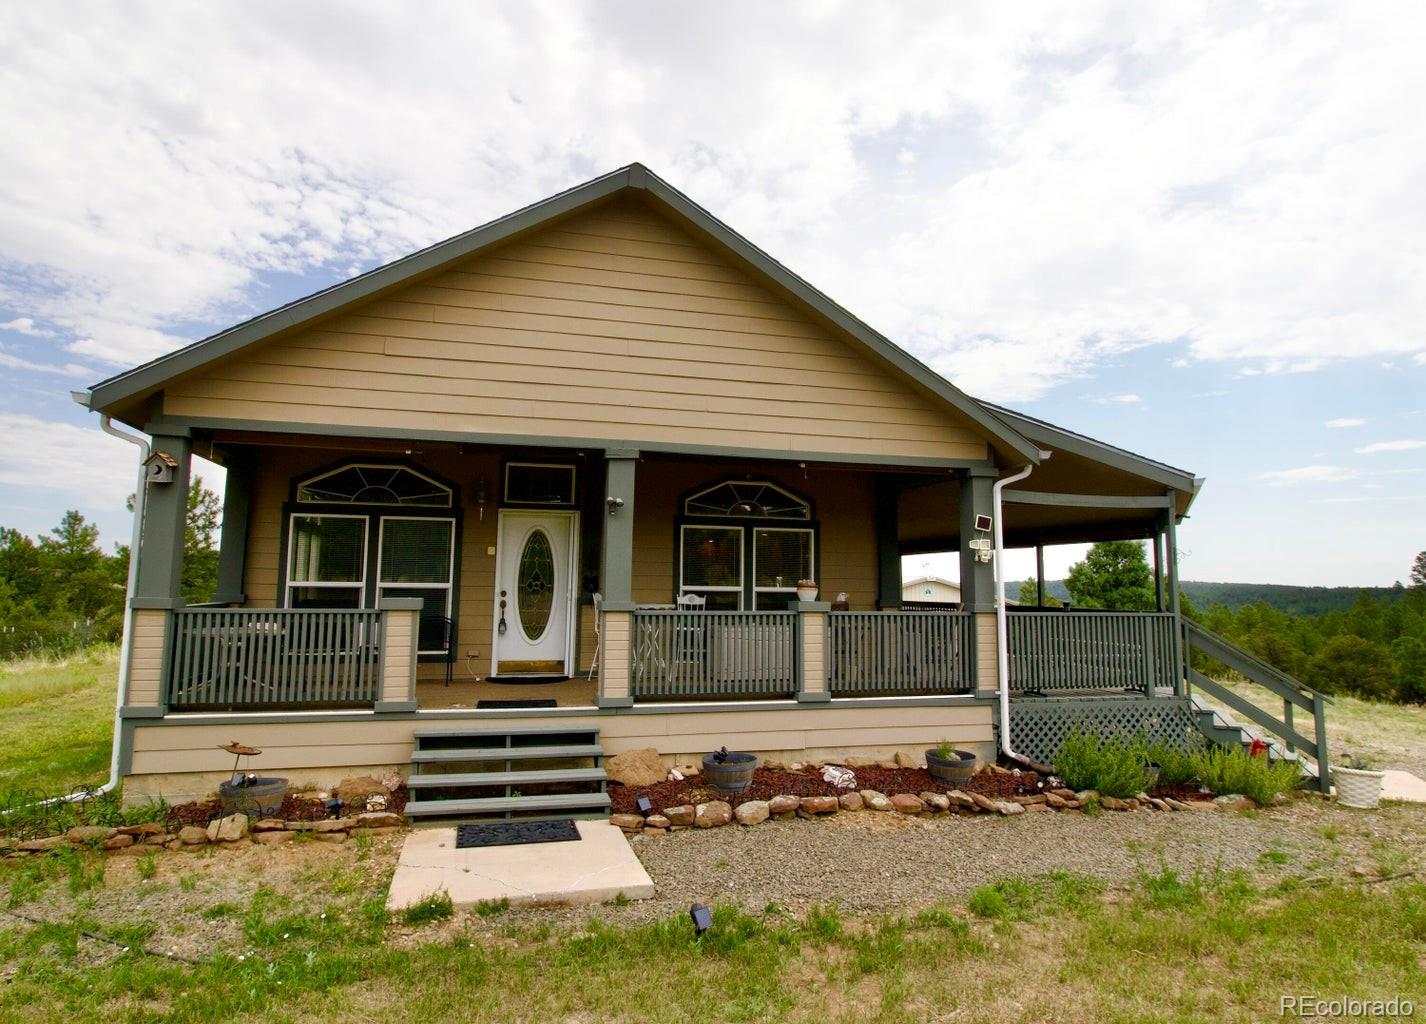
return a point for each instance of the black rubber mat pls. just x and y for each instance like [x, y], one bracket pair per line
[537, 702]
[515, 833]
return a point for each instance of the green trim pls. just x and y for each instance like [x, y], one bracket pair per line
[613, 703]
[159, 603]
[160, 554]
[887, 513]
[534, 442]
[818, 697]
[141, 711]
[616, 570]
[233, 539]
[410, 269]
[400, 604]
[125, 739]
[395, 707]
[1086, 500]
[977, 577]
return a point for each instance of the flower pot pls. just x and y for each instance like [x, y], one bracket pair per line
[806, 593]
[957, 768]
[732, 775]
[1357, 787]
[262, 797]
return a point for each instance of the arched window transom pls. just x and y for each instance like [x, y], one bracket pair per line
[365, 483]
[747, 499]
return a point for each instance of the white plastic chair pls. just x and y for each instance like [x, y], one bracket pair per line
[598, 615]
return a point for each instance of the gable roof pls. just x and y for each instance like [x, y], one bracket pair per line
[150, 377]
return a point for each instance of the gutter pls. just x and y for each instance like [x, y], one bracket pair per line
[1002, 627]
[126, 639]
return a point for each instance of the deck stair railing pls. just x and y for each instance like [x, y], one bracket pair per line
[1294, 695]
[243, 658]
[1092, 650]
[701, 653]
[921, 651]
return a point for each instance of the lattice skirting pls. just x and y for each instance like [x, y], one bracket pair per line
[1039, 725]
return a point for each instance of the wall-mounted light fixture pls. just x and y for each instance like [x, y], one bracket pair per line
[615, 504]
[481, 497]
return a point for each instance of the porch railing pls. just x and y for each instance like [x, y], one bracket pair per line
[899, 652]
[225, 658]
[699, 653]
[1092, 651]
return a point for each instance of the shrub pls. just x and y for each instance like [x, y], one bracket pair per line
[1232, 770]
[1176, 766]
[435, 907]
[1113, 765]
[1350, 664]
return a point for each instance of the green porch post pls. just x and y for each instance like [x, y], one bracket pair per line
[1158, 541]
[978, 578]
[888, 544]
[1171, 556]
[616, 560]
[233, 539]
[160, 554]
[1039, 575]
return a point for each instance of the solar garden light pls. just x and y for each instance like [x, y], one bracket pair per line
[702, 919]
[645, 805]
[333, 806]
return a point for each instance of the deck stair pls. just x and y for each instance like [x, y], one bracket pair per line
[500, 773]
[1222, 728]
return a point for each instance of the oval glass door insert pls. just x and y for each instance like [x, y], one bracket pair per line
[535, 585]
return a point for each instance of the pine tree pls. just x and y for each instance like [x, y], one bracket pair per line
[1418, 570]
[1114, 574]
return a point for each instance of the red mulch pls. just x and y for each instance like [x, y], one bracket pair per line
[767, 784]
[294, 808]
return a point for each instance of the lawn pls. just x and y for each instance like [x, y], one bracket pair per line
[56, 722]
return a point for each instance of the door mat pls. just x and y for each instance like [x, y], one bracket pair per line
[534, 702]
[528, 677]
[516, 833]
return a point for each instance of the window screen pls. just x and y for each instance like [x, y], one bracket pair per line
[326, 561]
[711, 564]
[780, 559]
[415, 561]
[528, 483]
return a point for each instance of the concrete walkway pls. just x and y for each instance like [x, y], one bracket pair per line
[1400, 785]
[599, 867]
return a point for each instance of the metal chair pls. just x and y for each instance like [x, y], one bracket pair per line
[598, 614]
[437, 633]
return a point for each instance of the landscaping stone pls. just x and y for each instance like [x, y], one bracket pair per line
[818, 804]
[713, 814]
[192, 835]
[1056, 801]
[269, 825]
[652, 831]
[164, 838]
[783, 804]
[905, 760]
[1043, 808]
[1113, 803]
[627, 822]
[148, 828]
[1063, 793]
[42, 845]
[229, 829]
[1177, 805]
[905, 803]
[1159, 805]
[850, 801]
[378, 819]
[752, 812]
[985, 803]
[656, 821]
[1085, 796]
[641, 767]
[875, 801]
[331, 837]
[270, 838]
[937, 802]
[1028, 799]
[1008, 807]
[354, 791]
[860, 761]
[117, 842]
[89, 834]
[681, 815]
[962, 800]
[1235, 802]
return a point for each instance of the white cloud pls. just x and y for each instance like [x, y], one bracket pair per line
[84, 464]
[1084, 182]
[1345, 421]
[1119, 400]
[24, 325]
[15, 362]
[1404, 445]
[1309, 475]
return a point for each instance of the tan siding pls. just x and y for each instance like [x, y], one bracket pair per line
[146, 658]
[987, 675]
[614, 324]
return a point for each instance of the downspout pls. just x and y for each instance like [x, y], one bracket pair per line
[1002, 627]
[122, 691]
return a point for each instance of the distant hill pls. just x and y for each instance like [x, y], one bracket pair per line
[1302, 600]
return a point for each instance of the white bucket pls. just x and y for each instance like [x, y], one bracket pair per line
[1357, 787]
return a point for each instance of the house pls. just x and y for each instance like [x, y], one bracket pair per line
[930, 590]
[554, 483]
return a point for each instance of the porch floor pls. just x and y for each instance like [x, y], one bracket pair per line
[577, 692]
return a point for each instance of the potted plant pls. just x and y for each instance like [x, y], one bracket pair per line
[729, 771]
[806, 590]
[1358, 784]
[948, 764]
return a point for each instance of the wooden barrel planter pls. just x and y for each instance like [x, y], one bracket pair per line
[261, 796]
[731, 775]
[957, 768]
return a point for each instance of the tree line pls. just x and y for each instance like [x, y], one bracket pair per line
[1374, 649]
[62, 592]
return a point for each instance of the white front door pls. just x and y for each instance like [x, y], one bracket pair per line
[534, 592]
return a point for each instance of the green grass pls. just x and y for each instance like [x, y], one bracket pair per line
[56, 722]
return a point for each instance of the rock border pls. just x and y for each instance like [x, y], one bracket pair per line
[233, 828]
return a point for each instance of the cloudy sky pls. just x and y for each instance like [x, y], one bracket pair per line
[1195, 231]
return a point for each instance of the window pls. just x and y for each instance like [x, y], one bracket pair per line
[747, 499]
[416, 560]
[362, 483]
[538, 483]
[711, 565]
[326, 562]
[781, 557]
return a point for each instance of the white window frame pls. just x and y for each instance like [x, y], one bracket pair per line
[523, 502]
[811, 558]
[359, 585]
[448, 586]
[742, 568]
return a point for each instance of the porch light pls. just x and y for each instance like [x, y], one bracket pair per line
[702, 919]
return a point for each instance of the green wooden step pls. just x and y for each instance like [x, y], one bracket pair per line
[530, 778]
[505, 753]
[497, 731]
[507, 804]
